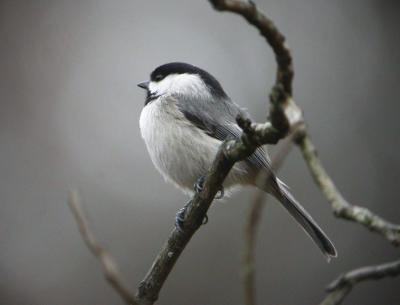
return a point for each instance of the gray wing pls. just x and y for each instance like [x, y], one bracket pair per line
[220, 123]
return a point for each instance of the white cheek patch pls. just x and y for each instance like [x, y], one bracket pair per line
[161, 87]
[185, 84]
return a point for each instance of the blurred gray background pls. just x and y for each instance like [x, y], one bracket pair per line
[69, 119]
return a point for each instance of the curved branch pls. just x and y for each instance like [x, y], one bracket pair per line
[340, 206]
[342, 286]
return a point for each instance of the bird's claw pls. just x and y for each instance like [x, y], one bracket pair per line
[199, 184]
[180, 217]
[198, 188]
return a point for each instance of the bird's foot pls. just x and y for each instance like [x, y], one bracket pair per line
[198, 185]
[198, 188]
[180, 217]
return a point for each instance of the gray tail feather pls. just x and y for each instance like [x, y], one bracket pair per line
[305, 220]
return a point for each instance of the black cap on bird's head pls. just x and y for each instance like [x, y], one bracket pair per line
[165, 70]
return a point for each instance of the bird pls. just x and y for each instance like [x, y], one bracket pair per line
[186, 117]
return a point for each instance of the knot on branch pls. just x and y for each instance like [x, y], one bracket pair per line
[144, 295]
[249, 136]
[255, 134]
[245, 124]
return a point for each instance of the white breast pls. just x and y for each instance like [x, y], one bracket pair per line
[181, 152]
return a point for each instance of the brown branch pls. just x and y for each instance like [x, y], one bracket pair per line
[340, 206]
[108, 264]
[342, 286]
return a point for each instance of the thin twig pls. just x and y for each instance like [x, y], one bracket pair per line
[342, 286]
[340, 206]
[108, 264]
[252, 221]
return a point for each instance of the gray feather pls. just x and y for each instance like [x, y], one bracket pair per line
[220, 123]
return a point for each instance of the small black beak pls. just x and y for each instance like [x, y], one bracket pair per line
[144, 85]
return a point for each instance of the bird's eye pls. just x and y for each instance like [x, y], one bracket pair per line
[158, 77]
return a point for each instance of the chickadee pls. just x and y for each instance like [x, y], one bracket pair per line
[186, 116]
